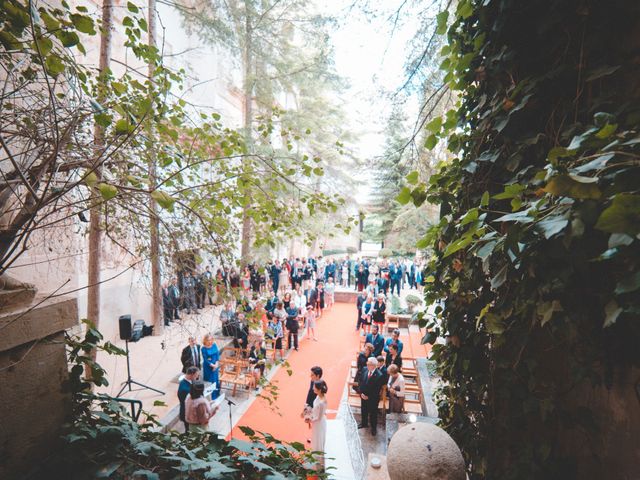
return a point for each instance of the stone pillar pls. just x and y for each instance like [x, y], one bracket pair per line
[33, 366]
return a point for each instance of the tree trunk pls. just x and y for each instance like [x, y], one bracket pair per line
[157, 316]
[247, 87]
[95, 231]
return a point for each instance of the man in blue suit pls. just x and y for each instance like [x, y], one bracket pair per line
[183, 390]
[395, 276]
[375, 339]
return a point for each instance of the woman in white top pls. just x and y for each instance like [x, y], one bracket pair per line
[299, 300]
[318, 421]
[396, 389]
[329, 292]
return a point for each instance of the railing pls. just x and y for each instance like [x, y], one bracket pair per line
[134, 405]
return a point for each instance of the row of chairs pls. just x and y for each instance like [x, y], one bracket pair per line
[234, 370]
[413, 390]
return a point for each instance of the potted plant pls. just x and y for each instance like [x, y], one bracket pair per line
[412, 302]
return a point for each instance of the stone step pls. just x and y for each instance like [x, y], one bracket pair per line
[346, 296]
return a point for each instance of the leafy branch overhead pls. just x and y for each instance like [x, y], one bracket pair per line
[205, 170]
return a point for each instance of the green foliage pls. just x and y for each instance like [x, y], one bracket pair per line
[102, 441]
[537, 249]
[412, 299]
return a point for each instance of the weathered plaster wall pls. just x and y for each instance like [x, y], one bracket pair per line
[33, 367]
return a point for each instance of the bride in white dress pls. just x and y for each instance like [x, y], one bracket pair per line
[319, 420]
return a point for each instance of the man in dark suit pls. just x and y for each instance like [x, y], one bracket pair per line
[167, 307]
[316, 374]
[174, 298]
[191, 356]
[395, 274]
[375, 339]
[359, 301]
[184, 388]
[274, 273]
[369, 388]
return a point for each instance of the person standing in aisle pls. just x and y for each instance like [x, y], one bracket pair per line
[318, 421]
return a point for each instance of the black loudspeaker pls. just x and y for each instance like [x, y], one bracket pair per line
[125, 327]
[136, 330]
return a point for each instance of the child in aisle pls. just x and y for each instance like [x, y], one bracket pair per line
[310, 321]
[329, 293]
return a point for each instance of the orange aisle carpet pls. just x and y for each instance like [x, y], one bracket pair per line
[336, 347]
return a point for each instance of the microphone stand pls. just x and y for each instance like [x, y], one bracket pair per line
[229, 403]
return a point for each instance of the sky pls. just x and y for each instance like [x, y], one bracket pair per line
[370, 54]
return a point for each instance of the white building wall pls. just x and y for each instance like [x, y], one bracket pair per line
[57, 260]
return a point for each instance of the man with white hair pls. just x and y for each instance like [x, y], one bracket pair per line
[369, 389]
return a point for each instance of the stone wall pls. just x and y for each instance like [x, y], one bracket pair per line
[33, 366]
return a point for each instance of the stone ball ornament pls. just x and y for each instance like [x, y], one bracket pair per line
[422, 451]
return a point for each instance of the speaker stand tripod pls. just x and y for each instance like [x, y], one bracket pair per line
[131, 381]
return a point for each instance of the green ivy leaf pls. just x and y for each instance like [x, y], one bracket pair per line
[628, 284]
[148, 474]
[601, 72]
[500, 277]
[619, 240]
[612, 311]
[547, 309]
[573, 186]
[494, 324]
[132, 7]
[596, 164]
[622, 216]
[552, 225]
[510, 191]
[607, 131]
[559, 152]
[459, 244]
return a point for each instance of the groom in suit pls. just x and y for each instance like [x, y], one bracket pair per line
[369, 389]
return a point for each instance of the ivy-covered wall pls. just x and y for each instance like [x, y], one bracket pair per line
[538, 247]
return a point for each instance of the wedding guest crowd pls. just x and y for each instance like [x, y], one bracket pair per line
[264, 304]
[191, 289]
